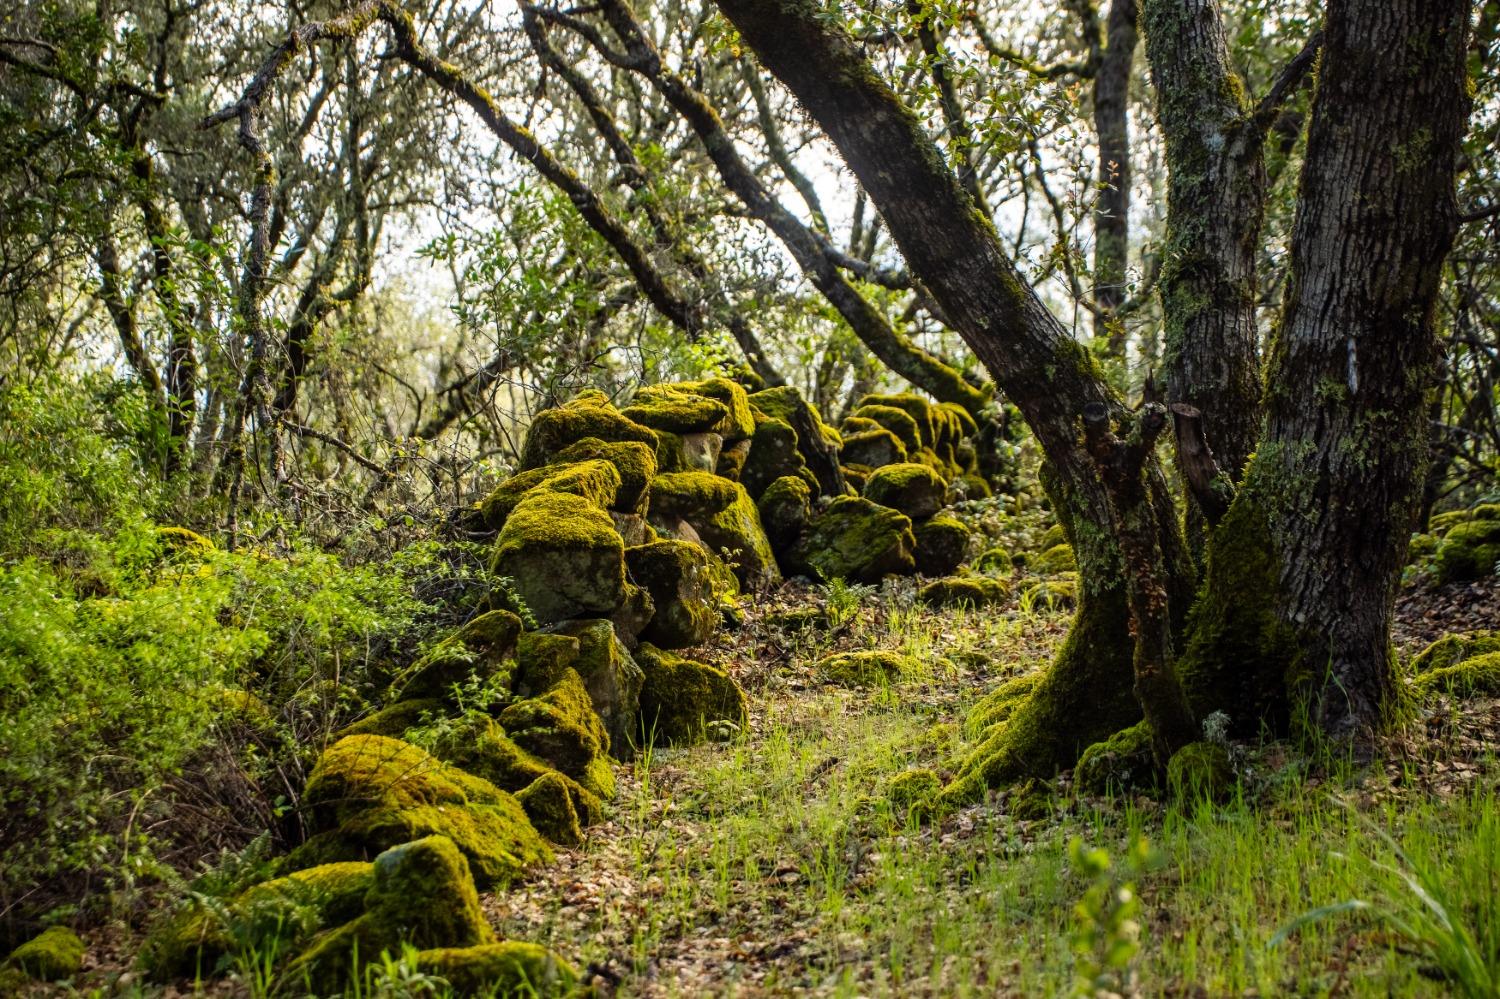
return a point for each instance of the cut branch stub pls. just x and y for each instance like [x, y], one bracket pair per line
[1210, 486]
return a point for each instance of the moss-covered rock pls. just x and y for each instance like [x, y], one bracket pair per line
[872, 449]
[682, 584]
[774, 454]
[485, 648]
[867, 668]
[1057, 594]
[942, 543]
[549, 806]
[732, 459]
[897, 421]
[508, 968]
[1055, 561]
[610, 676]
[594, 480]
[912, 792]
[1478, 675]
[564, 555]
[1124, 762]
[974, 486]
[422, 894]
[916, 490]
[994, 561]
[785, 509]
[725, 519]
[964, 591]
[394, 720]
[478, 744]
[1450, 650]
[52, 955]
[688, 452]
[676, 412]
[856, 540]
[589, 415]
[857, 425]
[634, 461]
[817, 442]
[181, 543]
[1470, 550]
[286, 911]
[998, 705]
[541, 659]
[561, 727]
[914, 406]
[857, 476]
[369, 793]
[1200, 770]
[683, 701]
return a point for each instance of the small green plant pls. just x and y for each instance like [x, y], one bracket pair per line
[1106, 935]
[843, 600]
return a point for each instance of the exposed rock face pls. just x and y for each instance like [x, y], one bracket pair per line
[683, 586]
[684, 701]
[565, 556]
[916, 490]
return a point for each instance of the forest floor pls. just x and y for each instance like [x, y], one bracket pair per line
[776, 865]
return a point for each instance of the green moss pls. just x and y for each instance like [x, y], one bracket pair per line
[1032, 800]
[179, 542]
[1479, 675]
[611, 678]
[964, 591]
[561, 727]
[858, 425]
[682, 700]
[1055, 560]
[1200, 770]
[913, 405]
[912, 792]
[1470, 550]
[421, 893]
[1124, 762]
[485, 648]
[738, 422]
[857, 475]
[369, 793]
[995, 561]
[732, 459]
[394, 720]
[549, 806]
[478, 744]
[286, 910]
[565, 556]
[960, 418]
[942, 543]
[595, 480]
[635, 462]
[508, 968]
[897, 421]
[998, 705]
[724, 517]
[868, 668]
[1450, 650]
[1052, 537]
[785, 509]
[872, 449]
[1056, 594]
[589, 415]
[541, 659]
[682, 584]
[856, 540]
[975, 486]
[676, 412]
[774, 453]
[54, 954]
[914, 489]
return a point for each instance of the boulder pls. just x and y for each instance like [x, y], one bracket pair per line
[633, 460]
[942, 543]
[590, 415]
[858, 541]
[478, 744]
[682, 701]
[549, 806]
[595, 480]
[561, 727]
[611, 677]
[817, 442]
[724, 518]
[676, 412]
[872, 449]
[1470, 550]
[1054, 561]
[785, 511]
[564, 555]
[870, 668]
[964, 591]
[920, 410]
[774, 454]
[484, 648]
[683, 586]
[916, 490]
[897, 421]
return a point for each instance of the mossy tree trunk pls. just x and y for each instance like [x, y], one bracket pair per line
[1112, 65]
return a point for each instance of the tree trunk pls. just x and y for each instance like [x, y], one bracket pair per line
[1112, 210]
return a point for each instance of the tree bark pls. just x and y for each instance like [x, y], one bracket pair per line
[1112, 209]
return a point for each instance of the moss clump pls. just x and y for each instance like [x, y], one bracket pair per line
[724, 517]
[912, 793]
[975, 486]
[508, 968]
[857, 476]
[857, 425]
[1470, 550]
[775, 453]
[1200, 770]
[1055, 560]
[565, 556]
[913, 405]
[732, 459]
[1052, 537]
[54, 954]
[484, 648]
[964, 591]
[1479, 675]
[478, 744]
[995, 561]
[549, 806]
[683, 585]
[421, 894]
[1051, 594]
[737, 423]
[897, 421]
[1450, 650]
[179, 542]
[1031, 800]
[677, 412]
[541, 658]
[998, 705]
[610, 676]
[1123, 762]
[635, 462]
[856, 540]
[286, 910]
[869, 668]
[595, 480]
[942, 543]
[818, 442]
[785, 509]
[394, 720]
[682, 700]
[561, 727]
[369, 793]
[872, 449]
[916, 490]
[589, 415]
